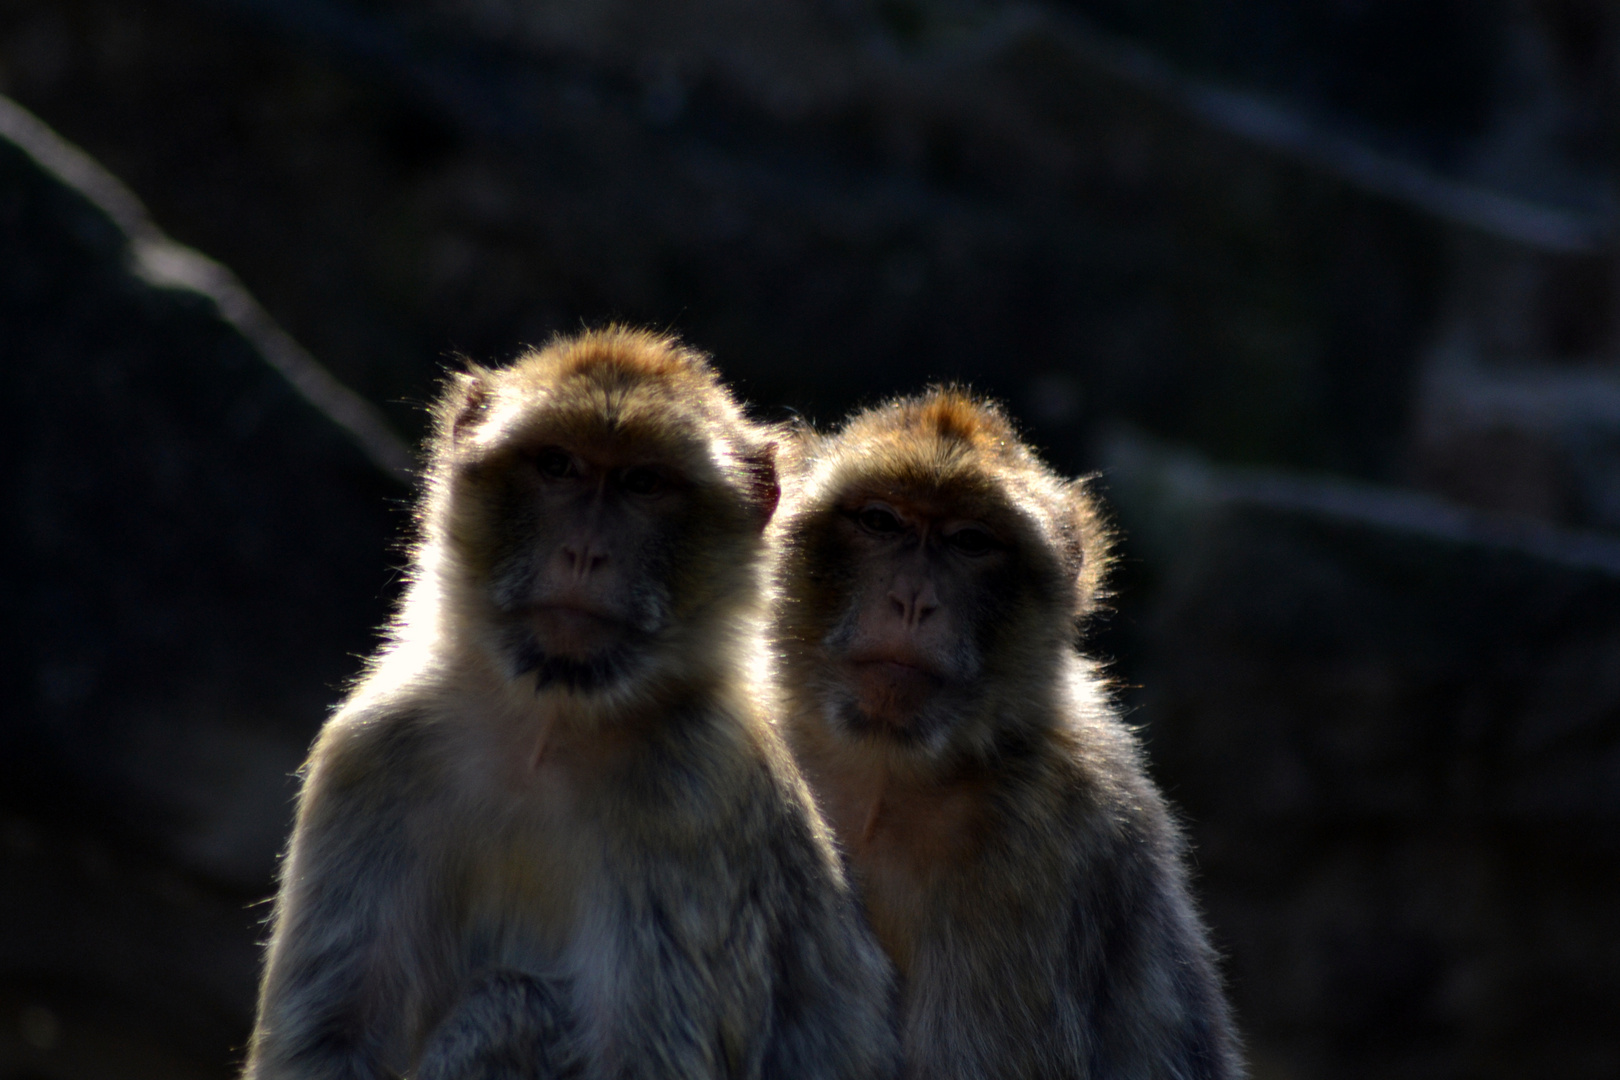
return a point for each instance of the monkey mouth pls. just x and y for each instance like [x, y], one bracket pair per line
[569, 647]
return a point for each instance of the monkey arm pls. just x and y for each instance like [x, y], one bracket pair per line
[834, 1010]
[354, 960]
[1147, 975]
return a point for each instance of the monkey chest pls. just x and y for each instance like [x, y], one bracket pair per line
[530, 880]
[907, 856]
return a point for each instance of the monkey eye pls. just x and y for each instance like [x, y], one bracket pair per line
[972, 540]
[879, 519]
[643, 480]
[554, 463]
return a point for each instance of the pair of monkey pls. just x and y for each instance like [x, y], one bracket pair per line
[657, 778]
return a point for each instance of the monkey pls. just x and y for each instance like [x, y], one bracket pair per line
[553, 830]
[932, 577]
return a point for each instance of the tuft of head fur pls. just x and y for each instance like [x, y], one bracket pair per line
[622, 392]
[615, 382]
[950, 450]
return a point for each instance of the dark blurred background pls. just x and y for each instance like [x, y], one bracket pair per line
[1328, 292]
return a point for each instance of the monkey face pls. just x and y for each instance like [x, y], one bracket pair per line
[907, 645]
[931, 572]
[601, 557]
[583, 581]
[604, 504]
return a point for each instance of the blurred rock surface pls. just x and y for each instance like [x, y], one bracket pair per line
[1394, 724]
[840, 200]
[194, 557]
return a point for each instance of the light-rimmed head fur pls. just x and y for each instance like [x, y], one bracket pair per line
[957, 456]
[613, 403]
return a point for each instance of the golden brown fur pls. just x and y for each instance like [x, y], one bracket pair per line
[1016, 863]
[551, 829]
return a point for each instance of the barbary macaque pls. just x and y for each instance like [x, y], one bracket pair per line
[1016, 862]
[552, 830]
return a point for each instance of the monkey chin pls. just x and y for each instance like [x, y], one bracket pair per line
[573, 648]
[891, 695]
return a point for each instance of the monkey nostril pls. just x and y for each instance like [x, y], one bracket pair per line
[912, 610]
[582, 559]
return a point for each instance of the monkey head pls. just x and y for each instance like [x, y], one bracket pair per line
[597, 509]
[931, 574]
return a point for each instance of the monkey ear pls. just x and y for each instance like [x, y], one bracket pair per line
[759, 475]
[466, 401]
[1088, 544]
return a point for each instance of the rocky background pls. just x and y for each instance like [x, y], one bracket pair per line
[1329, 293]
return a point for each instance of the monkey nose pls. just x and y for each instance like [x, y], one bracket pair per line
[912, 606]
[583, 559]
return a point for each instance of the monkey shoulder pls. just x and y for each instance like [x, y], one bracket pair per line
[1079, 802]
[786, 805]
[381, 755]
[722, 792]
[1094, 765]
[1129, 920]
[721, 769]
